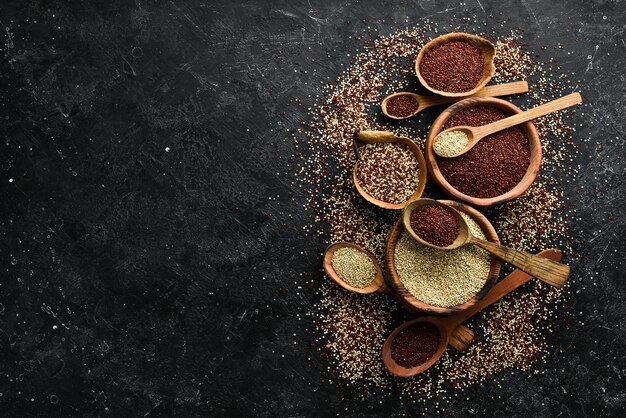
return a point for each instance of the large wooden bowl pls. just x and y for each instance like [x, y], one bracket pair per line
[487, 49]
[398, 287]
[533, 142]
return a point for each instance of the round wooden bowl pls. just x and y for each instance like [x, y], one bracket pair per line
[533, 142]
[487, 49]
[396, 283]
[372, 137]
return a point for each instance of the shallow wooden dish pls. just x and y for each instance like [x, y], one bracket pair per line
[533, 142]
[378, 284]
[487, 49]
[372, 137]
[396, 284]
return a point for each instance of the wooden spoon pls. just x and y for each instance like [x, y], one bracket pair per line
[474, 134]
[429, 101]
[461, 336]
[548, 271]
[446, 324]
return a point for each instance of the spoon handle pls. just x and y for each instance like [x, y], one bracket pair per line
[548, 271]
[489, 91]
[534, 113]
[502, 288]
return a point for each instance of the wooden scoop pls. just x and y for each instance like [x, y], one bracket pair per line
[474, 134]
[446, 324]
[461, 336]
[377, 137]
[548, 271]
[429, 101]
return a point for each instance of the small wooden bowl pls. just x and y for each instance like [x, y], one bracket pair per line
[533, 142]
[377, 285]
[487, 49]
[372, 137]
[398, 287]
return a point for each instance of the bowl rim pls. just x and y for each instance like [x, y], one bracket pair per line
[488, 50]
[397, 286]
[534, 143]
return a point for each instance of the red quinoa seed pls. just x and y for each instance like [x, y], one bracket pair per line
[402, 106]
[453, 67]
[415, 344]
[435, 224]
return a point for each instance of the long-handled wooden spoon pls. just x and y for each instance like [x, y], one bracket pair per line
[461, 336]
[458, 140]
[446, 324]
[548, 271]
[425, 102]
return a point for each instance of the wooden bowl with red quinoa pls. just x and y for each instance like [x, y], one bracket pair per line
[396, 285]
[456, 72]
[500, 168]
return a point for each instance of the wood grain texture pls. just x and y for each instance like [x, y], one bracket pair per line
[479, 132]
[476, 133]
[533, 141]
[548, 271]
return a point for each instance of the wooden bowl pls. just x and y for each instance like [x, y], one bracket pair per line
[533, 142]
[372, 137]
[396, 284]
[487, 49]
[377, 285]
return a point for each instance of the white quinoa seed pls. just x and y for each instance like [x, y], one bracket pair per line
[354, 266]
[450, 143]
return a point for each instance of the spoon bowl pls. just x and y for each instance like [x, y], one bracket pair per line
[402, 371]
[514, 280]
[460, 240]
[548, 271]
[487, 49]
[428, 101]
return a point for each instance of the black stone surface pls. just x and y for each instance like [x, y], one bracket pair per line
[152, 245]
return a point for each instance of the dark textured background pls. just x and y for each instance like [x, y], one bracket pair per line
[151, 249]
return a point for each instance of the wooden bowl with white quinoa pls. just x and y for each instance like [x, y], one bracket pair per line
[442, 282]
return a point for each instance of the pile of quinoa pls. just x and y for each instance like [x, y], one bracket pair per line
[496, 164]
[388, 171]
[442, 278]
[511, 335]
[354, 267]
